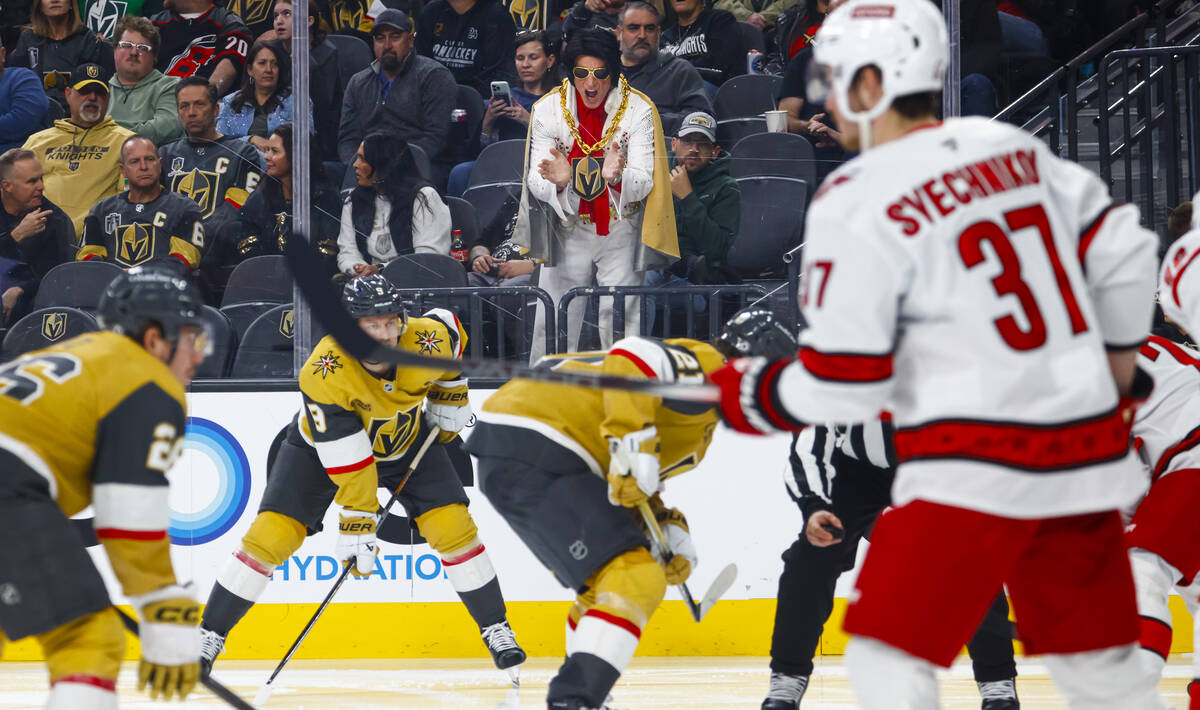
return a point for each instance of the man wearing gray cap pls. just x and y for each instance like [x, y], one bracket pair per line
[708, 203]
[400, 92]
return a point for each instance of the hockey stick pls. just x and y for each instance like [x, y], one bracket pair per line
[206, 680]
[309, 276]
[265, 691]
[719, 586]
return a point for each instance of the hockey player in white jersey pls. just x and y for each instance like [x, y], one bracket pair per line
[993, 298]
[1163, 531]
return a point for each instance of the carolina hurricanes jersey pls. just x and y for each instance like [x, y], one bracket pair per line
[1168, 422]
[1179, 280]
[354, 418]
[130, 233]
[211, 172]
[96, 420]
[581, 419]
[968, 281]
[196, 46]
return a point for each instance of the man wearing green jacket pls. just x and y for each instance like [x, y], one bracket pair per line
[143, 98]
[708, 207]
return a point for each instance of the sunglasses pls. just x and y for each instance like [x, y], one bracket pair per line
[144, 48]
[601, 73]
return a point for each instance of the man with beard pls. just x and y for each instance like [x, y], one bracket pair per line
[33, 231]
[672, 84]
[80, 154]
[401, 92]
[144, 222]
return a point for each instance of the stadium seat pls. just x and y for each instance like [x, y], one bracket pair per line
[266, 349]
[488, 199]
[241, 315]
[353, 54]
[774, 155]
[464, 137]
[421, 159]
[732, 130]
[745, 95]
[76, 284]
[773, 211]
[45, 327]
[501, 162]
[261, 278]
[462, 218]
[425, 271]
[224, 341]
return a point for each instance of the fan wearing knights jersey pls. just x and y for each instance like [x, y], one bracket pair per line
[360, 427]
[202, 39]
[1163, 531]
[993, 298]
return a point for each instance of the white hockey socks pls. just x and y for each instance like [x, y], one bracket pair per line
[244, 576]
[885, 678]
[1115, 678]
[82, 693]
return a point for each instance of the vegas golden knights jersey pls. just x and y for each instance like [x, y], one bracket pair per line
[581, 419]
[130, 233]
[96, 420]
[354, 418]
[211, 172]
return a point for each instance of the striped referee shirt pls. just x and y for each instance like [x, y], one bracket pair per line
[811, 472]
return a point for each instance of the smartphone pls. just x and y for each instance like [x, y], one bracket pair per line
[501, 91]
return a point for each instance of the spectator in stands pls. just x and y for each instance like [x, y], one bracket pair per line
[673, 84]
[143, 97]
[202, 39]
[325, 80]
[353, 17]
[495, 260]
[33, 231]
[708, 210]
[146, 221]
[807, 119]
[597, 206]
[586, 14]
[401, 93]
[391, 212]
[55, 43]
[81, 154]
[23, 105]
[267, 215]
[794, 31]
[1022, 36]
[471, 38]
[265, 100]
[707, 38]
[101, 16]
[763, 14]
[535, 60]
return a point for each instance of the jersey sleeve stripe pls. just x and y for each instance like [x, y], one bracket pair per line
[1179, 277]
[768, 394]
[1089, 233]
[453, 327]
[846, 367]
[347, 454]
[121, 534]
[1188, 442]
[131, 507]
[639, 363]
[350, 468]
[1034, 448]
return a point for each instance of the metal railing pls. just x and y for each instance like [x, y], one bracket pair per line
[508, 310]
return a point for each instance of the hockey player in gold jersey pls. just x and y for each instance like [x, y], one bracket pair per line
[567, 467]
[98, 420]
[360, 426]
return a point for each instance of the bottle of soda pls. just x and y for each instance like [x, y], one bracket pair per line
[458, 250]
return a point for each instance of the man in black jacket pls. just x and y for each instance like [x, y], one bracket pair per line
[471, 38]
[672, 84]
[707, 38]
[33, 231]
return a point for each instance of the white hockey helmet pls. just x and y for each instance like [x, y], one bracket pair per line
[905, 39]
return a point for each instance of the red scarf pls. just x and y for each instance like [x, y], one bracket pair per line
[591, 128]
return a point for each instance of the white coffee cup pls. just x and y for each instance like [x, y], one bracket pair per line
[776, 121]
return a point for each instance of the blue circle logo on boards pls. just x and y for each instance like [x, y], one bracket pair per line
[213, 441]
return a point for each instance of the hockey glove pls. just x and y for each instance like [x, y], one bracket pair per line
[678, 567]
[356, 544]
[170, 635]
[749, 398]
[448, 408]
[633, 467]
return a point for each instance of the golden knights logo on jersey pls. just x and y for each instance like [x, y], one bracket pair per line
[208, 173]
[588, 183]
[252, 12]
[390, 438]
[101, 16]
[135, 244]
[54, 326]
[526, 14]
[327, 364]
[287, 324]
[201, 186]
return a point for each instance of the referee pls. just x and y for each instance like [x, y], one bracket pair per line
[862, 459]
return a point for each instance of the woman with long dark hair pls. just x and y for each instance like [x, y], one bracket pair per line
[392, 212]
[55, 42]
[265, 100]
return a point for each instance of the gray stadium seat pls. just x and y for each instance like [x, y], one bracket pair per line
[774, 155]
[76, 284]
[425, 271]
[752, 38]
[261, 278]
[745, 95]
[773, 210]
[732, 130]
[266, 349]
[462, 218]
[353, 55]
[241, 315]
[224, 341]
[502, 162]
[45, 327]
[488, 199]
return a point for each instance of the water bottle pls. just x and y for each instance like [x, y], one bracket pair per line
[457, 249]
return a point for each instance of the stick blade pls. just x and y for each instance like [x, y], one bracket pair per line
[263, 694]
[717, 589]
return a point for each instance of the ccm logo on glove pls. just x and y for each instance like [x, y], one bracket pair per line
[189, 614]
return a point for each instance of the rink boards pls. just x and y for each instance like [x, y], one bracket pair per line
[735, 501]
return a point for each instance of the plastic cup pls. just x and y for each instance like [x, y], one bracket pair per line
[776, 121]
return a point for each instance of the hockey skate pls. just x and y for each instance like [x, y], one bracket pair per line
[999, 695]
[502, 643]
[211, 644]
[785, 691]
[572, 704]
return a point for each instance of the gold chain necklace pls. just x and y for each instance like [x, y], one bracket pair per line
[612, 127]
